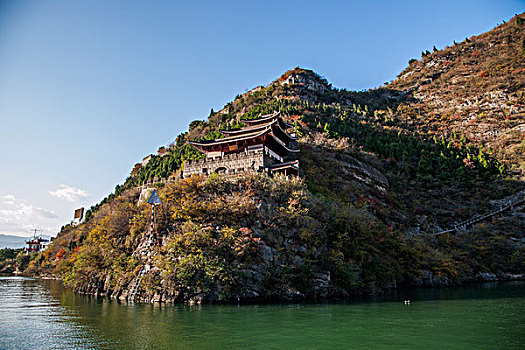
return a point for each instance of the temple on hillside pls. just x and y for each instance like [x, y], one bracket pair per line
[262, 146]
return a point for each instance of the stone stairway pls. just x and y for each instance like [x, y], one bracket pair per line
[136, 285]
[145, 268]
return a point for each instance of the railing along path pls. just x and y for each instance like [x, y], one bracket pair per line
[520, 198]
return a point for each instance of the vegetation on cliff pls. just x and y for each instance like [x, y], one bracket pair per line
[255, 237]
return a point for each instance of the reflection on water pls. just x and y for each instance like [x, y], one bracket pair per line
[31, 318]
[43, 315]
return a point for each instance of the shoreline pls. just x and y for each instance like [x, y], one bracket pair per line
[121, 295]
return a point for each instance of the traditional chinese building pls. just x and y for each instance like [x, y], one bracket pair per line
[264, 145]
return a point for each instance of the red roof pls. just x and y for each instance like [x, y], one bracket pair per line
[247, 134]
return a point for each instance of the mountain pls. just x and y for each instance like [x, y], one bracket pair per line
[13, 242]
[416, 183]
[475, 88]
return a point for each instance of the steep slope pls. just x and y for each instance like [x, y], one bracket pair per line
[383, 173]
[475, 88]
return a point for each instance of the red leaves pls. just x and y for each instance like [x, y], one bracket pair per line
[468, 163]
[245, 230]
[60, 254]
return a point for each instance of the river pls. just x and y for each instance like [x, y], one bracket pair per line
[37, 314]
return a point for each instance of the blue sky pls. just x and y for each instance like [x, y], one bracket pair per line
[87, 88]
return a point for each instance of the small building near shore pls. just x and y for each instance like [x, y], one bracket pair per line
[37, 244]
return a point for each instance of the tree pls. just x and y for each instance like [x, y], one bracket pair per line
[8, 253]
[327, 129]
[22, 261]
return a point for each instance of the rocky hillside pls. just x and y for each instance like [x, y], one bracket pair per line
[475, 88]
[384, 172]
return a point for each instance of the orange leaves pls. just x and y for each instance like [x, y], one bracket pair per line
[60, 254]
[484, 74]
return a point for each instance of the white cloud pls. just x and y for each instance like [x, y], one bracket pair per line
[7, 199]
[19, 217]
[49, 214]
[16, 211]
[68, 193]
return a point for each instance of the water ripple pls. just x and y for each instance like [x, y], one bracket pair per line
[43, 315]
[30, 318]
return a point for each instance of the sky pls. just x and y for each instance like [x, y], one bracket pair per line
[88, 88]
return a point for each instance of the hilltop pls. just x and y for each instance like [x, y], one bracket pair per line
[383, 173]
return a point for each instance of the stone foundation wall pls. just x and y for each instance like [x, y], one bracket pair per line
[229, 164]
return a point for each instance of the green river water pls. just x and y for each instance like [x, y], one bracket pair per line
[42, 315]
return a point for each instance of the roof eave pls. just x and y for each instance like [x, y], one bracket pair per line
[223, 141]
[260, 118]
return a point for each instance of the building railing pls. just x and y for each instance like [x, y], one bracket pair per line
[232, 156]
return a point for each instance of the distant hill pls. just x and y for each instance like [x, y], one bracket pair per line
[13, 242]
[399, 186]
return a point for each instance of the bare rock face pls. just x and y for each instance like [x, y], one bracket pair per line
[363, 172]
[307, 80]
[348, 166]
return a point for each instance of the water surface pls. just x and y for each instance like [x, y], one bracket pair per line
[42, 315]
